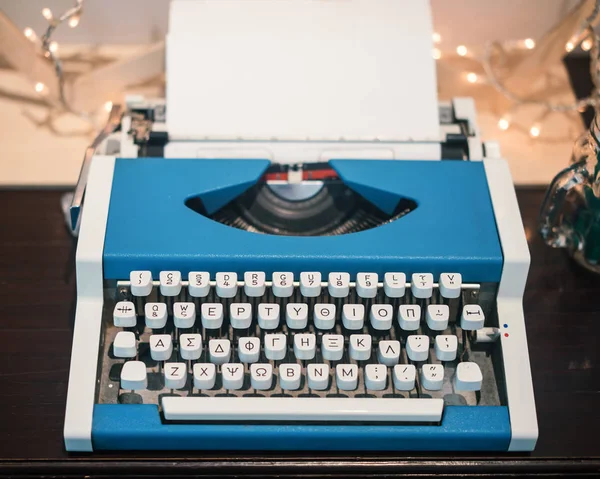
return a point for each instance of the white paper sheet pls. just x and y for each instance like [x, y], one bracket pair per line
[301, 69]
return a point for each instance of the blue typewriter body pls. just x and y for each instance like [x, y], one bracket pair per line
[304, 266]
[164, 232]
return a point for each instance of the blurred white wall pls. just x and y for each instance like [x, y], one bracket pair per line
[469, 22]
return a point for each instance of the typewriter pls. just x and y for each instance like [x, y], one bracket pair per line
[317, 291]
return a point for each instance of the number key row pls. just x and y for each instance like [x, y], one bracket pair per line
[283, 284]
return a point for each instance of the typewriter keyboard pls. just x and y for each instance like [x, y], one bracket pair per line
[364, 343]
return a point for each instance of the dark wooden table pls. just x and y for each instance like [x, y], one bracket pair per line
[37, 291]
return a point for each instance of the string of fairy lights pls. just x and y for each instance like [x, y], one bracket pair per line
[49, 47]
[585, 37]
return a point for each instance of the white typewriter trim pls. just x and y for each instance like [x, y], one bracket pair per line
[90, 299]
[517, 370]
[290, 152]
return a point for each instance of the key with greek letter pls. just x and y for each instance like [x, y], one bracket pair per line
[205, 375]
[190, 346]
[232, 375]
[249, 349]
[175, 375]
[261, 376]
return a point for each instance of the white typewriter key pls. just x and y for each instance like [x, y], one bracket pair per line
[219, 350]
[472, 317]
[318, 376]
[156, 315]
[388, 352]
[212, 315]
[283, 284]
[450, 284]
[404, 377]
[346, 376]
[124, 345]
[141, 283]
[305, 346]
[324, 316]
[394, 284]
[240, 315]
[468, 377]
[161, 347]
[366, 285]
[133, 376]
[199, 284]
[437, 316]
[290, 376]
[175, 375]
[190, 346]
[375, 377]
[268, 315]
[417, 348]
[353, 316]
[446, 346]
[360, 347]
[296, 315]
[339, 284]
[226, 285]
[275, 346]
[332, 347]
[261, 376]
[432, 376]
[310, 284]
[254, 283]
[248, 349]
[232, 375]
[184, 315]
[381, 316]
[409, 317]
[205, 375]
[422, 285]
[170, 283]
[124, 314]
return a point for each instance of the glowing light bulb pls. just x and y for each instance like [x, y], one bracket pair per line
[437, 54]
[108, 105]
[472, 77]
[47, 13]
[29, 33]
[529, 43]
[461, 50]
[53, 47]
[503, 123]
[437, 38]
[535, 131]
[74, 21]
[569, 46]
[586, 45]
[40, 87]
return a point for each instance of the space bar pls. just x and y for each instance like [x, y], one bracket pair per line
[302, 409]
